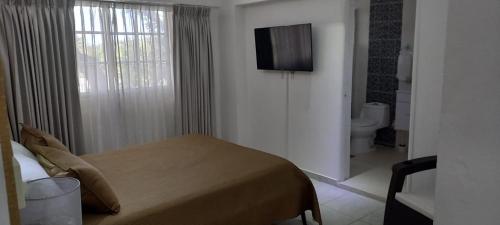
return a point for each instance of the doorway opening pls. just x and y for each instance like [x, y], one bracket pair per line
[381, 92]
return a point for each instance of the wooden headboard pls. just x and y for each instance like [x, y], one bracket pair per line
[7, 155]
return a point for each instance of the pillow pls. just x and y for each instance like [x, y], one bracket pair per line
[19, 149]
[50, 168]
[30, 168]
[31, 137]
[97, 194]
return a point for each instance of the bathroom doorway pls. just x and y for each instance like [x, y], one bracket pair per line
[381, 90]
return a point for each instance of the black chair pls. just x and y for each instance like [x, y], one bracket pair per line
[397, 213]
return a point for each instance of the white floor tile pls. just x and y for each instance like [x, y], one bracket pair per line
[375, 181]
[354, 205]
[334, 217]
[371, 172]
[341, 207]
[375, 218]
[295, 221]
[359, 223]
[327, 192]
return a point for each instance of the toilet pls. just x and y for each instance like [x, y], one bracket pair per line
[374, 116]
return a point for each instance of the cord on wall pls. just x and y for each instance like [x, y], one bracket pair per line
[289, 76]
[287, 116]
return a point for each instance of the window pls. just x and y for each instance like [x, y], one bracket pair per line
[124, 58]
[132, 41]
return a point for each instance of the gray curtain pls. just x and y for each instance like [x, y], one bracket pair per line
[37, 41]
[193, 67]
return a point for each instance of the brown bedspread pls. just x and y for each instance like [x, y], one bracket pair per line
[198, 180]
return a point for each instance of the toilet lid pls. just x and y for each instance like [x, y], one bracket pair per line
[363, 122]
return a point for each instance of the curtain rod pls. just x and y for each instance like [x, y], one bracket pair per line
[148, 3]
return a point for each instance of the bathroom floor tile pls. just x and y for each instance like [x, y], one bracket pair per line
[371, 172]
[375, 181]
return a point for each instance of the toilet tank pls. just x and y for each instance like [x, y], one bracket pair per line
[376, 111]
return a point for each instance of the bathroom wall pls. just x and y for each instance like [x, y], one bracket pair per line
[384, 47]
[408, 33]
[360, 63]
[408, 23]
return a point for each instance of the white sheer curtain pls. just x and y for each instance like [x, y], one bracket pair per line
[126, 85]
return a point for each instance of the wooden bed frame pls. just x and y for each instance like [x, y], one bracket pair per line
[7, 156]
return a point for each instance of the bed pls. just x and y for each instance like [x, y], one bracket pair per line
[195, 180]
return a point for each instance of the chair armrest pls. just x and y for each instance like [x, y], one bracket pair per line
[403, 169]
[415, 165]
[397, 213]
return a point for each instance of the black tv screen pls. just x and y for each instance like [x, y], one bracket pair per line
[286, 48]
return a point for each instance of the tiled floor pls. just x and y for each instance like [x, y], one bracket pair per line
[341, 207]
[381, 157]
[371, 172]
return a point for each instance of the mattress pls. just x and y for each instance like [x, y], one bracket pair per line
[198, 180]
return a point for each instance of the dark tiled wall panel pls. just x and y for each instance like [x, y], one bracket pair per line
[385, 30]
[385, 43]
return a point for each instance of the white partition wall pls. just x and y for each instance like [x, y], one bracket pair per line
[306, 126]
[430, 41]
[468, 175]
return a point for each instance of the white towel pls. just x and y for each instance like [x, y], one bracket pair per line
[405, 63]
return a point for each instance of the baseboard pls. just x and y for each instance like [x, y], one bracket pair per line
[361, 192]
[338, 184]
[321, 178]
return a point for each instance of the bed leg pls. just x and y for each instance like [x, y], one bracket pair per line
[303, 218]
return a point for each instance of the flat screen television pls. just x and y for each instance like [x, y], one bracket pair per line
[287, 48]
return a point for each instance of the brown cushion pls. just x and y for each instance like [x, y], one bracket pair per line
[30, 135]
[34, 137]
[57, 160]
[97, 194]
[50, 168]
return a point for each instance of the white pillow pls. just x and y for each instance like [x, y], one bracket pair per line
[19, 149]
[30, 168]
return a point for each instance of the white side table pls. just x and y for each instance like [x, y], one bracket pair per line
[420, 202]
[52, 201]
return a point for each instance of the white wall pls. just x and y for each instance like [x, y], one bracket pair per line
[256, 105]
[408, 34]
[430, 42]
[230, 21]
[408, 23]
[468, 175]
[360, 73]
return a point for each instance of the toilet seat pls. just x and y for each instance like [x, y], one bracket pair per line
[363, 122]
